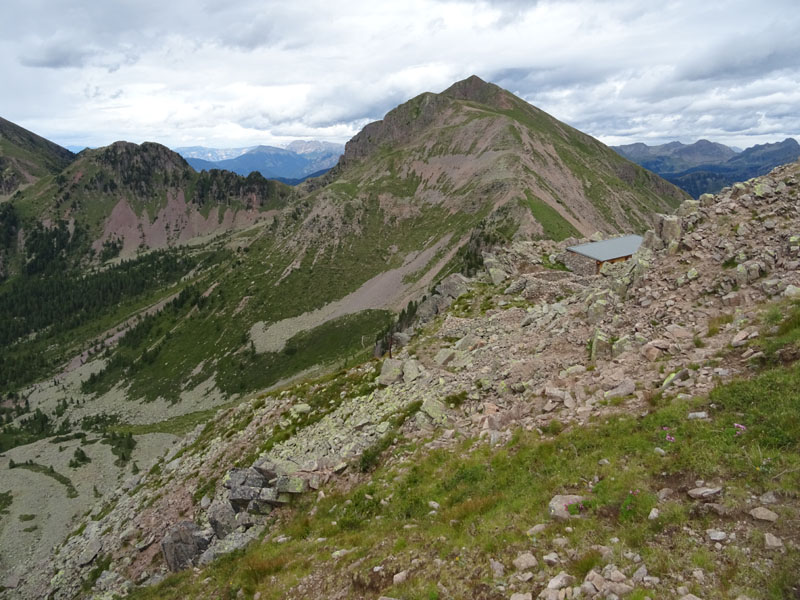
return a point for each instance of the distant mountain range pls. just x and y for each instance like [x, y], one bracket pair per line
[297, 162]
[707, 167]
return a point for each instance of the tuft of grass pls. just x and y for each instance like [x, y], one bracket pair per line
[457, 399]
[27, 517]
[554, 427]
[102, 563]
[716, 323]
[370, 456]
[581, 566]
[6, 499]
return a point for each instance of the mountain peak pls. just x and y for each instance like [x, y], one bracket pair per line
[474, 89]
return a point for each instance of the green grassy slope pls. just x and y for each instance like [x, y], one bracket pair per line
[475, 145]
[143, 175]
[25, 156]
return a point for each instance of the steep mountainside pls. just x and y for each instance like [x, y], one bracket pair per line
[129, 197]
[705, 167]
[25, 158]
[628, 434]
[476, 147]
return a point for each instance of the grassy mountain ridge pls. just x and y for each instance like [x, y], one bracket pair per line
[25, 157]
[147, 197]
[477, 145]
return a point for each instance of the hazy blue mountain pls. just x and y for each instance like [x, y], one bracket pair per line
[300, 160]
[707, 167]
[675, 157]
[210, 154]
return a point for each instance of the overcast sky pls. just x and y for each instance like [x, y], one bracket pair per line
[225, 74]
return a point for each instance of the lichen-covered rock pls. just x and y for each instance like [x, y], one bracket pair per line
[412, 369]
[391, 371]
[601, 347]
[249, 477]
[559, 506]
[435, 410]
[497, 276]
[267, 468]
[444, 356]
[668, 228]
[291, 485]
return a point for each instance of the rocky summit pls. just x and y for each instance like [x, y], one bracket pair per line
[399, 380]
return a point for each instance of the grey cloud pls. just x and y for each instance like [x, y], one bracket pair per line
[615, 68]
[58, 55]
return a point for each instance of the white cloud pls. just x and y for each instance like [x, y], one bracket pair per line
[231, 74]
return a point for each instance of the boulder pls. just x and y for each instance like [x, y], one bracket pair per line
[668, 228]
[452, 286]
[183, 544]
[625, 388]
[221, 517]
[516, 287]
[651, 241]
[391, 371]
[772, 542]
[792, 291]
[268, 469]
[498, 570]
[497, 276]
[701, 493]
[444, 356]
[241, 495]
[761, 513]
[291, 485]
[435, 410]
[560, 581]
[272, 496]
[601, 346]
[89, 553]
[525, 561]
[249, 477]
[235, 541]
[412, 369]
[688, 207]
[468, 342]
[558, 506]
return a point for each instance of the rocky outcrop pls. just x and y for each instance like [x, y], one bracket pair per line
[183, 544]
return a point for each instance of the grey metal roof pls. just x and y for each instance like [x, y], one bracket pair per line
[609, 249]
